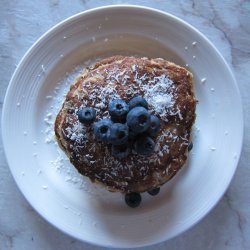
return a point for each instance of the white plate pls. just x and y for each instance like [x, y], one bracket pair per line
[51, 184]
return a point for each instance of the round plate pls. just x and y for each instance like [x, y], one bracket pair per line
[52, 185]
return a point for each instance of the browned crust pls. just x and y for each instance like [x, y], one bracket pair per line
[93, 159]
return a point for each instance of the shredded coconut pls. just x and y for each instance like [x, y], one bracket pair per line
[203, 80]
[160, 95]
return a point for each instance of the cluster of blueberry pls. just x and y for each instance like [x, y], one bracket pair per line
[134, 199]
[129, 123]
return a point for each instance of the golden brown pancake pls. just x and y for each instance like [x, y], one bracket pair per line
[168, 89]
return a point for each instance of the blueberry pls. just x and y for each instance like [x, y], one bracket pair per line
[102, 130]
[118, 110]
[190, 146]
[138, 101]
[86, 115]
[154, 126]
[118, 134]
[154, 191]
[132, 135]
[133, 199]
[138, 119]
[144, 145]
[120, 151]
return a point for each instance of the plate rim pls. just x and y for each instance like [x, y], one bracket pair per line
[91, 11]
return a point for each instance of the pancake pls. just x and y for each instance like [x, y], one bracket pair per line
[168, 89]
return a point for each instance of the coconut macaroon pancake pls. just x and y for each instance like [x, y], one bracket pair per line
[131, 163]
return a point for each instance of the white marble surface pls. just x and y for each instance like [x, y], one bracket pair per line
[226, 24]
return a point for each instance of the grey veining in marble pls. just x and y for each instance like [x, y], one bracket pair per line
[226, 24]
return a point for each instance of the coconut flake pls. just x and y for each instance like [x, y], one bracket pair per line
[203, 80]
[160, 95]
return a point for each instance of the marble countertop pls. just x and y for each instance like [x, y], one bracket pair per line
[226, 24]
